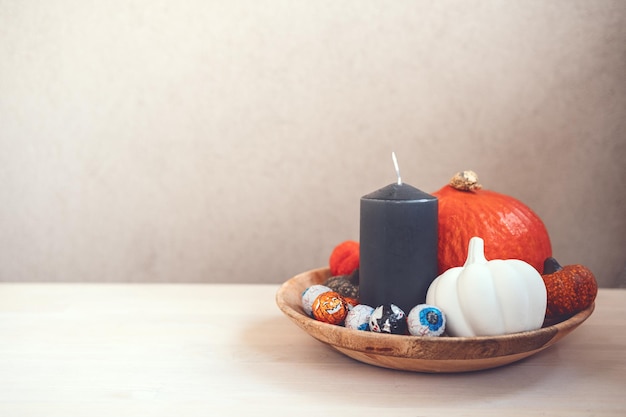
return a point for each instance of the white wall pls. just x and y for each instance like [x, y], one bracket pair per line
[231, 141]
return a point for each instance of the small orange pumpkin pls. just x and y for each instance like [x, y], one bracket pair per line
[510, 229]
[570, 288]
[344, 259]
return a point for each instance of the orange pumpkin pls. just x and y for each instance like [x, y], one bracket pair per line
[570, 288]
[509, 228]
[344, 258]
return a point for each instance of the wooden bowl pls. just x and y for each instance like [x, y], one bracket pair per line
[419, 354]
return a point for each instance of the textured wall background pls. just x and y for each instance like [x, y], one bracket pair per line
[231, 141]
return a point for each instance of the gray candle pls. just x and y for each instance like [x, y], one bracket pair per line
[398, 245]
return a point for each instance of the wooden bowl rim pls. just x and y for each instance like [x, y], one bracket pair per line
[444, 347]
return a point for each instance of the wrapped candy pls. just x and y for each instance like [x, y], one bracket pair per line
[358, 318]
[310, 294]
[343, 285]
[388, 318]
[351, 302]
[330, 307]
[426, 320]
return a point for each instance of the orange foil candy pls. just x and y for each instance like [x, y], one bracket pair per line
[330, 307]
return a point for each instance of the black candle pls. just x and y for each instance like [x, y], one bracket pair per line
[398, 245]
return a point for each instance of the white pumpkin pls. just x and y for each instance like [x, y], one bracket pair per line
[489, 298]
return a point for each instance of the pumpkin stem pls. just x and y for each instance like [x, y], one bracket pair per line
[550, 266]
[475, 252]
[465, 181]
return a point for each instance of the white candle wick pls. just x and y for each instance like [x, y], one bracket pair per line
[395, 164]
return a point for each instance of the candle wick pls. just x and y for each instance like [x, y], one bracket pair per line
[395, 164]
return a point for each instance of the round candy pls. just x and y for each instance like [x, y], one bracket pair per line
[426, 320]
[350, 302]
[358, 318]
[310, 294]
[330, 307]
[343, 285]
[388, 318]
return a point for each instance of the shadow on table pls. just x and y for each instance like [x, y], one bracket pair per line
[298, 364]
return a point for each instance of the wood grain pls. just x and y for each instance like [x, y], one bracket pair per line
[425, 354]
[101, 350]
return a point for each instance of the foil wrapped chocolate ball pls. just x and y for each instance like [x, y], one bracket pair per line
[330, 307]
[358, 318]
[388, 318]
[310, 294]
[343, 285]
[426, 320]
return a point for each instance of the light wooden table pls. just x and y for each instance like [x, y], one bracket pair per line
[220, 350]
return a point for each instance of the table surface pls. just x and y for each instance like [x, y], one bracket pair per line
[199, 350]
